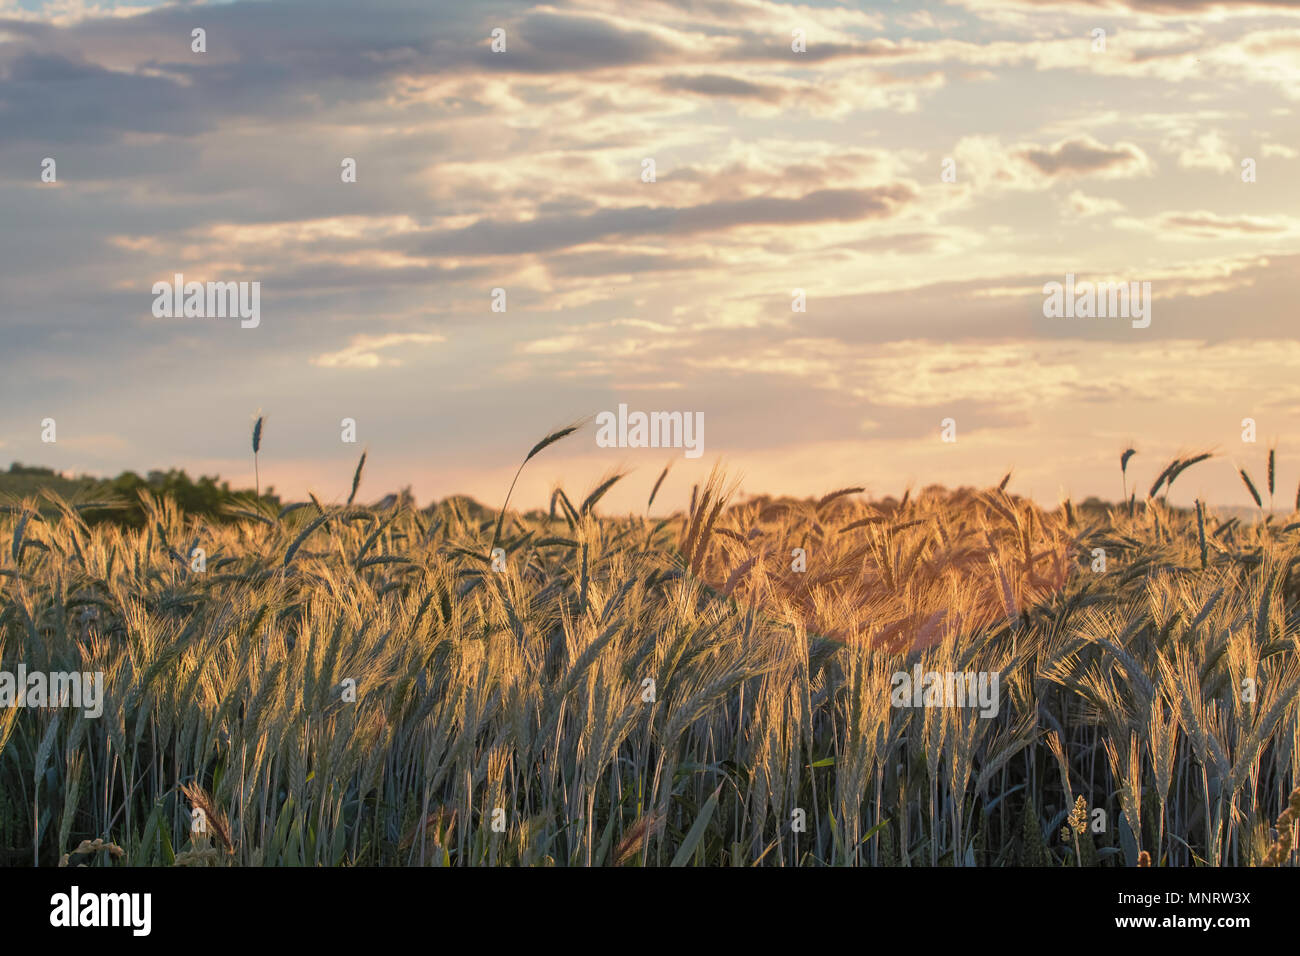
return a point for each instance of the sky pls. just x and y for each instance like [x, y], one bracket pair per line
[919, 170]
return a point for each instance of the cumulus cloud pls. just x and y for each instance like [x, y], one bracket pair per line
[1084, 156]
[989, 164]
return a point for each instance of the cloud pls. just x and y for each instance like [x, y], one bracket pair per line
[1179, 9]
[1080, 206]
[1206, 150]
[988, 165]
[615, 263]
[1207, 225]
[551, 233]
[560, 42]
[1082, 156]
[363, 350]
[716, 84]
[557, 345]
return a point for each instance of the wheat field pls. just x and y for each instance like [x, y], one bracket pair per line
[355, 686]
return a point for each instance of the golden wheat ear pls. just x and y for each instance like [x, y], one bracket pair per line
[200, 800]
[637, 836]
[1281, 849]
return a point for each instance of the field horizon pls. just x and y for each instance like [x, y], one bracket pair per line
[24, 479]
[953, 678]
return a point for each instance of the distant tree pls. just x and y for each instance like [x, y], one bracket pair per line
[207, 497]
[17, 468]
